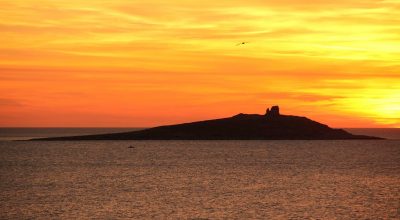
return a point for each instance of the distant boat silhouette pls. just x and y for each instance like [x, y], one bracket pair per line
[270, 126]
[131, 146]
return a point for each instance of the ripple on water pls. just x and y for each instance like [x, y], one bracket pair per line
[200, 179]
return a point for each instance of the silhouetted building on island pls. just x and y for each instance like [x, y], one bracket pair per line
[273, 112]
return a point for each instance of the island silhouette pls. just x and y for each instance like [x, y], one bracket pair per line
[270, 126]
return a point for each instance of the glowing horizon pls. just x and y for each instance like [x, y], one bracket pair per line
[129, 63]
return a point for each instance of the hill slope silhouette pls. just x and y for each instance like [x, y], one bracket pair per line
[271, 126]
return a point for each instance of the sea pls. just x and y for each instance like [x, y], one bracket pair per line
[329, 179]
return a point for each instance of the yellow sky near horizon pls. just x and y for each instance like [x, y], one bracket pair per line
[144, 63]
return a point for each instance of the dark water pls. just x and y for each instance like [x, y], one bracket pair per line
[200, 180]
[29, 133]
[388, 133]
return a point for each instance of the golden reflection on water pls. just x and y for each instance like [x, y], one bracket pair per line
[200, 179]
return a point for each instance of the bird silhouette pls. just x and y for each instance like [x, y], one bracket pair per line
[241, 43]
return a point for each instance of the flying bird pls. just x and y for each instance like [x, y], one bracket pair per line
[241, 43]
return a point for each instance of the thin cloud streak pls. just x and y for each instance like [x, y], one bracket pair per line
[332, 56]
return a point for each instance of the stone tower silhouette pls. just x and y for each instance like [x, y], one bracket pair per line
[273, 112]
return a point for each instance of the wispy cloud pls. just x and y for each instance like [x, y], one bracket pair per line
[10, 102]
[334, 55]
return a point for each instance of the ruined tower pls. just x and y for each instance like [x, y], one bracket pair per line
[273, 112]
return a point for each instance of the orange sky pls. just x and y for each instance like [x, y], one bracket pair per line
[131, 63]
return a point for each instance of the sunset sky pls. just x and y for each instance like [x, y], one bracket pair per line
[131, 63]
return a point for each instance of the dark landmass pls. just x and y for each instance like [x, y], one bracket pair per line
[271, 126]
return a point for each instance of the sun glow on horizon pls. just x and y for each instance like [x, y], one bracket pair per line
[144, 63]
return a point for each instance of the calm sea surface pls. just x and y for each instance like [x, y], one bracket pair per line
[200, 179]
[29, 133]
